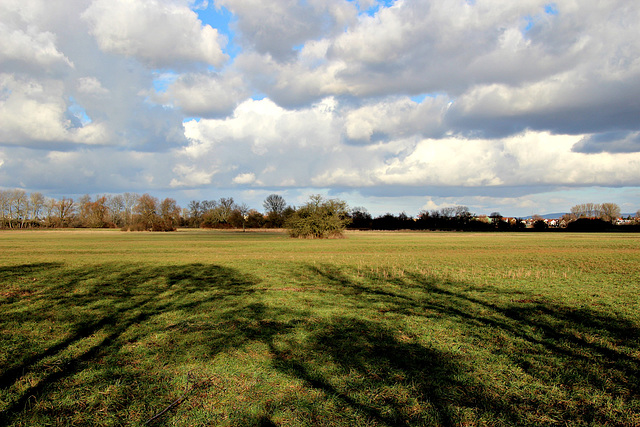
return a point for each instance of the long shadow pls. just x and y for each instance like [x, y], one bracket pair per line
[111, 299]
[359, 360]
[14, 272]
[562, 331]
[575, 348]
[384, 369]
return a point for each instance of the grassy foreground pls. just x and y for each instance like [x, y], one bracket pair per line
[229, 328]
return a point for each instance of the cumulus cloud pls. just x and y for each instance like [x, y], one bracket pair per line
[277, 27]
[34, 112]
[611, 142]
[518, 58]
[25, 47]
[30, 47]
[396, 117]
[487, 101]
[189, 176]
[245, 178]
[206, 94]
[158, 33]
[91, 86]
[268, 139]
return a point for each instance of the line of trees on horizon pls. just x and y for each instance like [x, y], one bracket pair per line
[131, 211]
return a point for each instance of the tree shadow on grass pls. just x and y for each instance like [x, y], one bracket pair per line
[99, 310]
[384, 356]
[388, 379]
[582, 364]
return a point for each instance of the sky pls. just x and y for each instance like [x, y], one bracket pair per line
[521, 107]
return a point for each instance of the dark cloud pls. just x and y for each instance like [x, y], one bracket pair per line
[609, 142]
[512, 98]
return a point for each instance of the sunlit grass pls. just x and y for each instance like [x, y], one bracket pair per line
[231, 328]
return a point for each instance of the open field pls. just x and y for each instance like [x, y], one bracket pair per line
[231, 328]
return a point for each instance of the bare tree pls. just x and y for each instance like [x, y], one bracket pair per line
[222, 211]
[275, 207]
[65, 210]
[50, 206]
[19, 207]
[195, 213]
[274, 203]
[170, 213]
[98, 213]
[448, 212]
[84, 210]
[146, 210]
[36, 203]
[130, 201]
[587, 210]
[609, 212]
[5, 202]
[208, 206]
[243, 209]
[117, 206]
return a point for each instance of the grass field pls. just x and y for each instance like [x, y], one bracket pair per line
[230, 328]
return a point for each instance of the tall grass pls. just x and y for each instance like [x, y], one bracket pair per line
[224, 328]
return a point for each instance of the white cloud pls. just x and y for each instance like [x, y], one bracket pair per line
[275, 143]
[531, 158]
[261, 133]
[34, 112]
[245, 178]
[158, 33]
[276, 27]
[189, 176]
[30, 46]
[206, 95]
[396, 118]
[91, 86]
[514, 99]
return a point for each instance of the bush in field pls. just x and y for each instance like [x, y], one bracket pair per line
[319, 219]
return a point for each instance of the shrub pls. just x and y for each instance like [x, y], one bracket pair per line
[319, 219]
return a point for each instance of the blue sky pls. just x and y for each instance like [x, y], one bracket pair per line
[221, 19]
[518, 107]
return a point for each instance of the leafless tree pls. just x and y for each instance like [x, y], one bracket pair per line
[130, 201]
[117, 206]
[5, 203]
[170, 213]
[65, 209]
[609, 212]
[18, 206]
[84, 210]
[36, 203]
[50, 206]
[243, 209]
[147, 211]
[274, 203]
[225, 208]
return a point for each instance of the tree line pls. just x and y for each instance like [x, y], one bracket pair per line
[319, 217]
[132, 211]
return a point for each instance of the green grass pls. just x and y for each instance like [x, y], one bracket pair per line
[231, 328]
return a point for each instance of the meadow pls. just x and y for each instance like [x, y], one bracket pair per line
[257, 329]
